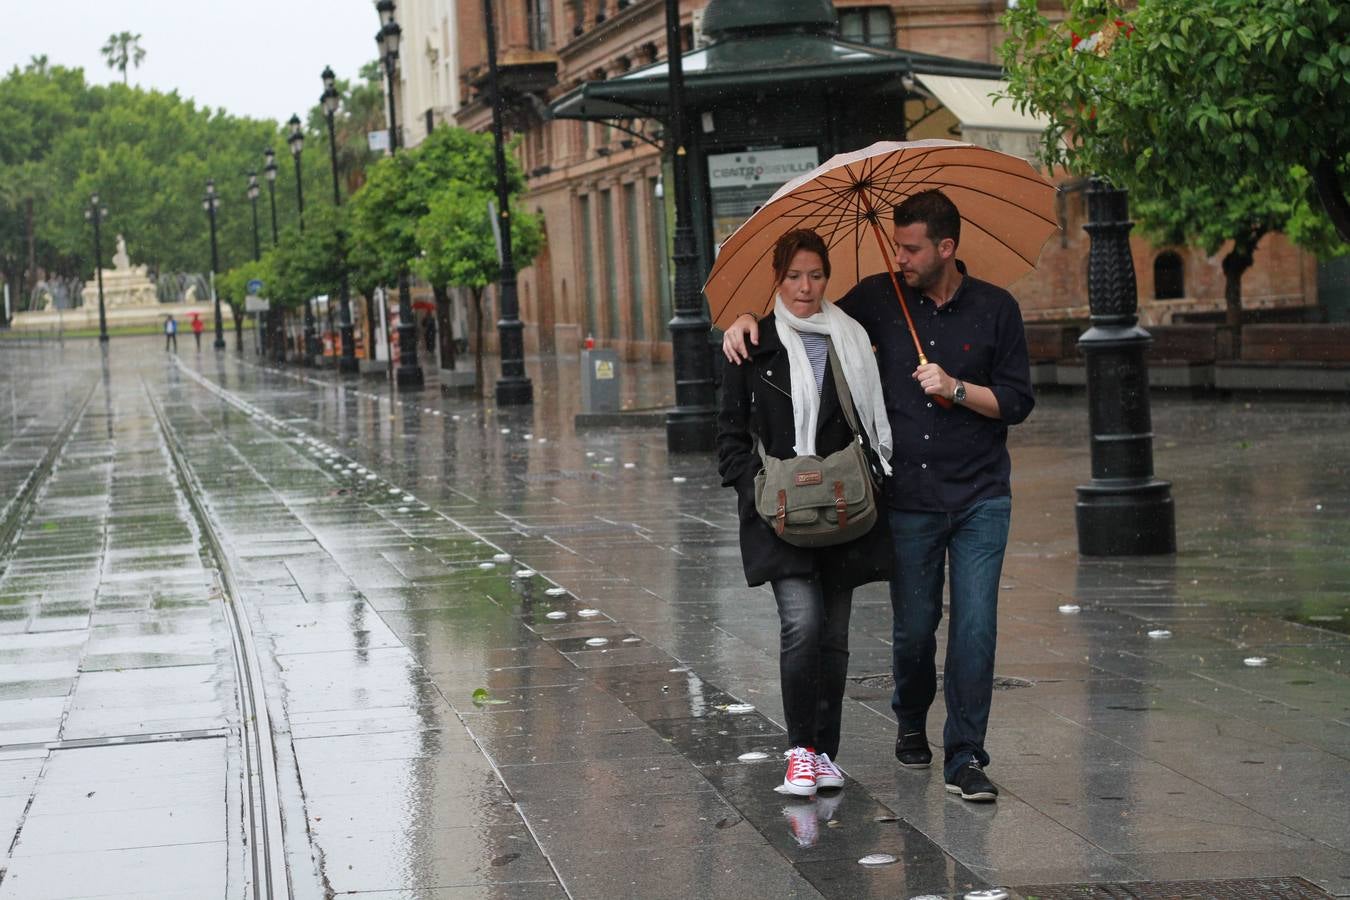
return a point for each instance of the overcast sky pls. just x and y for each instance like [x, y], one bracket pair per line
[259, 58]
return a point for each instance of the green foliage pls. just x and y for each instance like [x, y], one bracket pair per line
[1211, 112]
[305, 264]
[457, 242]
[426, 209]
[148, 154]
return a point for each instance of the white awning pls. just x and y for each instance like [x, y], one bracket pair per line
[970, 100]
[986, 121]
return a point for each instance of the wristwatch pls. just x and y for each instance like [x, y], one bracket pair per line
[959, 395]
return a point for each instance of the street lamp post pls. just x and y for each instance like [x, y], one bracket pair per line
[270, 171]
[296, 140]
[253, 192]
[514, 388]
[409, 373]
[692, 424]
[1124, 510]
[273, 342]
[347, 361]
[209, 203]
[95, 214]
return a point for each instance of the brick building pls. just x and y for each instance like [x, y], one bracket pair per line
[600, 184]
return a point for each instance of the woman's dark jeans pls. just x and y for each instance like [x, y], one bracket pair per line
[813, 659]
[972, 541]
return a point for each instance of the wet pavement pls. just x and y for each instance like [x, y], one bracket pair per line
[262, 628]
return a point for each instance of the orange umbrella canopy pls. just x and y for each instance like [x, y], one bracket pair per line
[1007, 213]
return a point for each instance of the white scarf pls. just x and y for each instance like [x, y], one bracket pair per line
[853, 349]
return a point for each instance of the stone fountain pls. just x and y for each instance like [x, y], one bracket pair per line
[129, 299]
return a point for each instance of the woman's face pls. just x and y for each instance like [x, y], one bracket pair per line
[803, 287]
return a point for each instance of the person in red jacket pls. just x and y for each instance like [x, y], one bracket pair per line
[197, 328]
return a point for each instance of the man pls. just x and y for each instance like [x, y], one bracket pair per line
[197, 327]
[949, 497]
[170, 334]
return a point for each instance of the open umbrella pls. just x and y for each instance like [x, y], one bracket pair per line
[1007, 213]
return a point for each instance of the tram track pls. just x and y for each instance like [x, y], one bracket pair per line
[17, 510]
[265, 835]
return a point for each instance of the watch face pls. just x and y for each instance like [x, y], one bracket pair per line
[960, 392]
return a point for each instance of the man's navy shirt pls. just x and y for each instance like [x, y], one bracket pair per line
[947, 459]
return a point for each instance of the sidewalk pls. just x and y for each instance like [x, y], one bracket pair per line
[376, 616]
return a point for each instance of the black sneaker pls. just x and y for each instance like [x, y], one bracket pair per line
[972, 784]
[911, 748]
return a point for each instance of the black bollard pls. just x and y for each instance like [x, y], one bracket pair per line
[1123, 510]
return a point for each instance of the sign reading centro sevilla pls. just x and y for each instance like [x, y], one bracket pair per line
[760, 167]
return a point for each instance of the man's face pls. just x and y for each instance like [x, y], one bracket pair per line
[917, 257]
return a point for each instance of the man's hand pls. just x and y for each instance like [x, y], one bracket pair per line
[733, 340]
[934, 381]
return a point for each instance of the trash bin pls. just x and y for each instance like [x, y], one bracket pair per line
[599, 381]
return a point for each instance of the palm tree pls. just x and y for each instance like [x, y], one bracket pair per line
[123, 50]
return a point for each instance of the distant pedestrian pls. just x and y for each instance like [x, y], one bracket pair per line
[170, 334]
[197, 327]
[429, 332]
[785, 402]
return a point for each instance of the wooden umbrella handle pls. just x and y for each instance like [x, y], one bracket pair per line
[890, 270]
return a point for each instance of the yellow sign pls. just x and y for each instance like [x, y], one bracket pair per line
[604, 370]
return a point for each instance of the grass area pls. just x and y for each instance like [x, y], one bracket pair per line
[124, 331]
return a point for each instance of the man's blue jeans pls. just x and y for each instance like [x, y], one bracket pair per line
[973, 540]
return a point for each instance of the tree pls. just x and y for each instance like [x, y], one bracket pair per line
[232, 287]
[458, 246]
[1213, 113]
[37, 104]
[121, 50]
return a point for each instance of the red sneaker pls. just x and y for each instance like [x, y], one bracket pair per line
[801, 772]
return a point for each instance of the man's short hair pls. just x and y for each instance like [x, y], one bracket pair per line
[935, 210]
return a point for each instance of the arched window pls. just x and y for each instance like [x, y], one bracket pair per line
[1169, 276]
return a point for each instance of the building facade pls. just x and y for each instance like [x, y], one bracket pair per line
[604, 271]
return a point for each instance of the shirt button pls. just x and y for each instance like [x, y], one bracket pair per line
[923, 465]
[930, 406]
[925, 437]
[932, 343]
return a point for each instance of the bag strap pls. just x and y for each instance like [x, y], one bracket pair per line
[841, 387]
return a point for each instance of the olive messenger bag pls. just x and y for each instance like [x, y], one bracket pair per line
[813, 501]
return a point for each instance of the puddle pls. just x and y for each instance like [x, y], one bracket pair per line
[1255, 662]
[1159, 634]
[556, 615]
[597, 642]
[739, 708]
[1070, 608]
[556, 591]
[753, 756]
[877, 859]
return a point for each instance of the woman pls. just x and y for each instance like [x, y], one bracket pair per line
[784, 396]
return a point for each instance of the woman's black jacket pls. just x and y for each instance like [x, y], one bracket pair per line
[757, 401]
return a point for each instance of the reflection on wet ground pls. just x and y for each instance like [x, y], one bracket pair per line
[502, 656]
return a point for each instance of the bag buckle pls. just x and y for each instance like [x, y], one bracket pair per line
[840, 504]
[780, 517]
